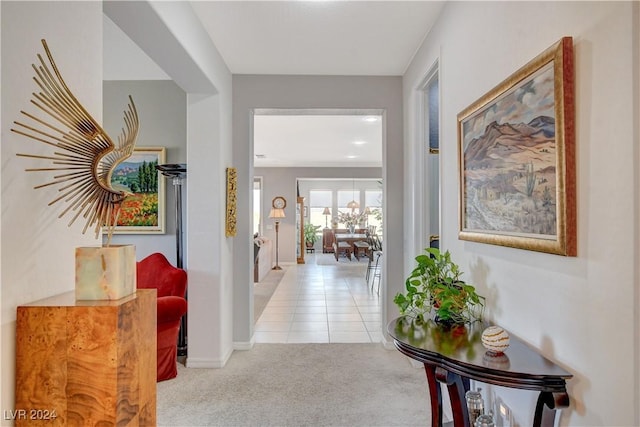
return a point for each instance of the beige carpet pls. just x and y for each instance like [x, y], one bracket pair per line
[299, 385]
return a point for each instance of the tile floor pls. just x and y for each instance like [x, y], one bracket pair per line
[321, 302]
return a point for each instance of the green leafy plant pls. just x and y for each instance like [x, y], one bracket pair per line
[434, 285]
[311, 233]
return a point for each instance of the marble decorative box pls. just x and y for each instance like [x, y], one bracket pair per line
[105, 272]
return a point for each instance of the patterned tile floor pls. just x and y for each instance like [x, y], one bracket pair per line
[322, 301]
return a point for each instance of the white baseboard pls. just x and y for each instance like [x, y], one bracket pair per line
[201, 363]
[388, 344]
[243, 345]
[415, 363]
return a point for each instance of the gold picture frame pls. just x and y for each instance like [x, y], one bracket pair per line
[232, 196]
[142, 212]
[516, 152]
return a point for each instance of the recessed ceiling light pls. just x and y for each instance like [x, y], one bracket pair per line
[352, 156]
[370, 119]
[359, 142]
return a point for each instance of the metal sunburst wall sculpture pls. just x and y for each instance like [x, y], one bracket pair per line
[85, 156]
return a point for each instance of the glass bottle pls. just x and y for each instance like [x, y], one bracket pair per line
[475, 405]
[484, 420]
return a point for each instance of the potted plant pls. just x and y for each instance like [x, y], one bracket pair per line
[435, 286]
[311, 234]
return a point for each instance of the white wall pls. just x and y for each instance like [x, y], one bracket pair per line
[2, 365]
[636, 137]
[173, 37]
[577, 311]
[37, 248]
[162, 110]
[316, 92]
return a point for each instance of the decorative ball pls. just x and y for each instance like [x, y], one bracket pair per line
[495, 339]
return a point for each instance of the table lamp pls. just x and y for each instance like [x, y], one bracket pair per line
[326, 212]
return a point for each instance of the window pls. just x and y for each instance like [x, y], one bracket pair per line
[318, 200]
[346, 196]
[373, 201]
[257, 205]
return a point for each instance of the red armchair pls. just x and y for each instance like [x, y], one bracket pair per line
[155, 272]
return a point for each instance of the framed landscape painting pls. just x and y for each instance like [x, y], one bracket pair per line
[517, 159]
[143, 211]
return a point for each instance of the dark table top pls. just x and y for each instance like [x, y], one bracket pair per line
[460, 350]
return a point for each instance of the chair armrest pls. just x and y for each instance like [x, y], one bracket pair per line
[171, 308]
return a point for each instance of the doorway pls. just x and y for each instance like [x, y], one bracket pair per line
[322, 300]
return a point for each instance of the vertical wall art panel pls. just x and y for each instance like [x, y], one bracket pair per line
[232, 195]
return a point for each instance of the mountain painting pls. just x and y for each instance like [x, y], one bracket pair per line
[509, 161]
[517, 158]
[142, 210]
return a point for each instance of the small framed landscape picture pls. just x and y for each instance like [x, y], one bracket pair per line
[143, 211]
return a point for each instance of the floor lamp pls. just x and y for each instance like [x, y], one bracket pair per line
[277, 214]
[177, 173]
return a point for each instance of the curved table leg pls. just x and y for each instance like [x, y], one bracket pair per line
[546, 407]
[435, 394]
[457, 387]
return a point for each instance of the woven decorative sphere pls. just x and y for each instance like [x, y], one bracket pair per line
[495, 339]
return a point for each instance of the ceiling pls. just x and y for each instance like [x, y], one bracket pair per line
[317, 140]
[318, 37]
[373, 38]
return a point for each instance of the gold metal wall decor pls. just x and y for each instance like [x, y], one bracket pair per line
[84, 157]
[232, 197]
[517, 158]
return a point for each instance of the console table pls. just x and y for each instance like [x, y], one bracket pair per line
[453, 356]
[87, 362]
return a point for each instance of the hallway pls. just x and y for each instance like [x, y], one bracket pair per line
[322, 301]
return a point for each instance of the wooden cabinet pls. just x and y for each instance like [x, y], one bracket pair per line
[87, 362]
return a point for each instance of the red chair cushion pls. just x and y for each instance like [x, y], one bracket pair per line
[155, 272]
[171, 308]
